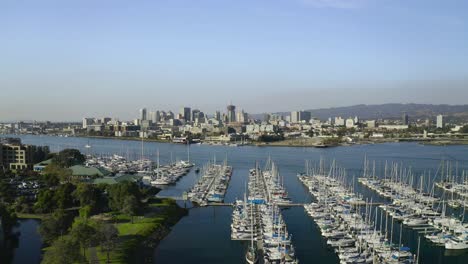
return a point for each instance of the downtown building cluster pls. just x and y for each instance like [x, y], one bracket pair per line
[231, 125]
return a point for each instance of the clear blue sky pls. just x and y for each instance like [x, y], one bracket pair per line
[65, 59]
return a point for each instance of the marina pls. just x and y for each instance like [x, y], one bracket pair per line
[203, 236]
[417, 209]
[212, 185]
[354, 237]
[258, 219]
[151, 172]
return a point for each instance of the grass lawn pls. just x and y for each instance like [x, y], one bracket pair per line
[160, 213]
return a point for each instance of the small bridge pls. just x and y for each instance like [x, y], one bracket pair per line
[177, 198]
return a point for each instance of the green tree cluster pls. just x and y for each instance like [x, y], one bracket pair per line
[464, 129]
[68, 157]
[9, 219]
[54, 226]
[59, 198]
[53, 174]
[64, 250]
[119, 193]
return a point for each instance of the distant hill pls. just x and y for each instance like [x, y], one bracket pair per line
[391, 111]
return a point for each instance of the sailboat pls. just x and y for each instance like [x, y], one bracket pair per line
[87, 146]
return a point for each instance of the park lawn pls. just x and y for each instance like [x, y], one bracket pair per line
[159, 213]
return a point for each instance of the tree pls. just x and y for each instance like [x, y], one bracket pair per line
[63, 195]
[54, 226]
[64, 250]
[84, 233]
[68, 157]
[53, 174]
[85, 211]
[22, 205]
[108, 237]
[87, 194]
[8, 218]
[6, 192]
[464, 129]
[120, 191]
[45, 201]
[130, 206]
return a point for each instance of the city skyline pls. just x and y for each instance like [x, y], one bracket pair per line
[65, 60]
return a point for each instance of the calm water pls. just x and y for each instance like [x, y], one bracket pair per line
[25, 247]
[204, 235]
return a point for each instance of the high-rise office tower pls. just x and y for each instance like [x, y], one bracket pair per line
[143, 114]
[440, 121]
[231, 113]
[217, 115]
[405, 119]
[186, 112]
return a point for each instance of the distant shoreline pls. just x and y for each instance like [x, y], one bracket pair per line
[302, 142]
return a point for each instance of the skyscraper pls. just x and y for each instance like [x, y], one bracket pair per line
[217, 115]
[231, 113]
[405, 119]
[295, 117]
[195, 114]
[298, 116]
[170, 115]
[153, 116]
[440, 121]
[242, 117]
[186, 112]
[143, 114]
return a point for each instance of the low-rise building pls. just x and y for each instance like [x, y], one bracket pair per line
[261, 128]
[393, 127]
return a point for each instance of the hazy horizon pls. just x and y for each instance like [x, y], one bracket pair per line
[64, 60]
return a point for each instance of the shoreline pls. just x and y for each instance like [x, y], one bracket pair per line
[144, 235]
[291, 142]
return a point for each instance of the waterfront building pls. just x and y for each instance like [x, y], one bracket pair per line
[95, 127]
[264, 128]
[88, 121]
[143, 115]
[440, 121]
[231, 113]
[17, 156]
[394, 127]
